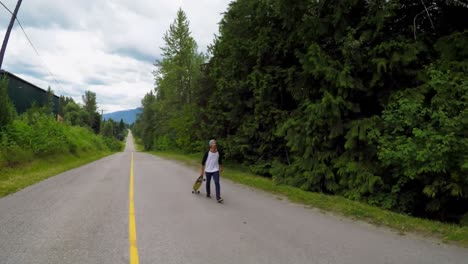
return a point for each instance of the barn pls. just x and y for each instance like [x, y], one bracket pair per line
[23, 93]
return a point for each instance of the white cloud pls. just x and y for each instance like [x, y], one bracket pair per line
[105, 46]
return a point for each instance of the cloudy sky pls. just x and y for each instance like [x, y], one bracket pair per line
[105, 46]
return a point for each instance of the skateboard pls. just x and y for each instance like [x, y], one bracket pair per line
[197, 184]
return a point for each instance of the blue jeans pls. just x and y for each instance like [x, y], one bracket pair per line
[215, 176]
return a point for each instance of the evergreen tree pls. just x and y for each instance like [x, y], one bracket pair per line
[90, 106]
[364, 99]
[168, 115]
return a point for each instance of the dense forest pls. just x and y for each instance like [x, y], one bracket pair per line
[363, 99]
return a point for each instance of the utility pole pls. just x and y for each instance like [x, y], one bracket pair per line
[7, 34]
[102, 114]
[102, 121]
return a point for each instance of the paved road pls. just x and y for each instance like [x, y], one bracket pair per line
[82, 216]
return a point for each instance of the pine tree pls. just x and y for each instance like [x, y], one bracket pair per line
[90, 106]
[168, 115]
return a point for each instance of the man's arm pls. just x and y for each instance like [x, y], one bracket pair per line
[220, 161]
[203, 163]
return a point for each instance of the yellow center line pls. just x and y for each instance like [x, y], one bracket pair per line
[131, 222]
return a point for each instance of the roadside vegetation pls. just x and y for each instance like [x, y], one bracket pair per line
[35, 145]
[363, 102]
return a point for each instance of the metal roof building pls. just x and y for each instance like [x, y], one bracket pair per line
[23, 93]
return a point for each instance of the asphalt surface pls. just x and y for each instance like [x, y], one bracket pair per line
[82, 216]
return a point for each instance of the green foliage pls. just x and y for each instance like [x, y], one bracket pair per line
[82, 139]
[108, 129]
[115, 130]
[49, 107]
[74, 114]
[113, 144]
[424, 139]
[92, 118]
[145, 124]
[12, 155]
[7, 110]
[39, 132]
[36, 134]
[464, 220]
[363, 99]
[168, 118]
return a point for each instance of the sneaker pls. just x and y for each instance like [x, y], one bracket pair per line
[208, 196]
[220, 200]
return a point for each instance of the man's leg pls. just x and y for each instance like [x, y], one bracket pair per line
[218, 187]
[208, 182]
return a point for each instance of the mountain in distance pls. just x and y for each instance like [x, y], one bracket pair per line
[128, 116]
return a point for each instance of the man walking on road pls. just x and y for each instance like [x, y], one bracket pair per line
[212, 165]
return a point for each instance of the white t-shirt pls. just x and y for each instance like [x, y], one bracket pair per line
[211, 164]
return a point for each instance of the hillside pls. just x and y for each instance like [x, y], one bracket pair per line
[128, 116]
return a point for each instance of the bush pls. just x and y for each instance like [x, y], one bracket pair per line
[464, 220]
[36, 134]
[11, 154]
[113, 144]
[163, 143]
[7, 110]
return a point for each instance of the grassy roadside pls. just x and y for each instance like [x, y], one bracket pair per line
[448, 233]
[15, 179]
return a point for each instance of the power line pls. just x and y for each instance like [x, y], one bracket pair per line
[6, 7]
[43, 62]
[34, 48]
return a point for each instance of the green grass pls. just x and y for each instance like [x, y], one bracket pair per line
[138, 144]
[448, 233]
[17, 178]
